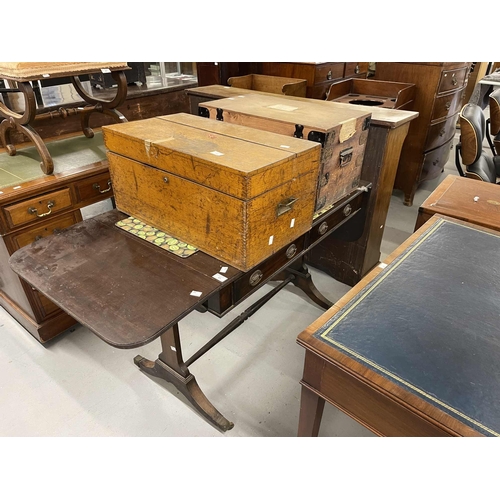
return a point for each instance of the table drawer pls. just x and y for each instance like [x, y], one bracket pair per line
[327, 72]
[252, 279]
[434, 161]
[94, 188]
[440, 132]
[354, 69]
[452, 79]
[53, 225]
[321, 229]
[447, 105]
[35, 209]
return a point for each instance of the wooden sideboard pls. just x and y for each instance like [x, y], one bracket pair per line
[37, 205]
[319, 75]
[438, 99]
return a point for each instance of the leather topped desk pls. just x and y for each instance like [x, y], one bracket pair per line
[414, 349]
[465, 199]
[130, 292]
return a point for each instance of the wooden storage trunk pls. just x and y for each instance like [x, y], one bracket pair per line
[273, 84]
[236, 193]
[341, 133]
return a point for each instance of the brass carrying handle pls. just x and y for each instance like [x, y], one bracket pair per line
[98, 187]
[285, 206]
[447, 105]
[50, 204]
[454, 81]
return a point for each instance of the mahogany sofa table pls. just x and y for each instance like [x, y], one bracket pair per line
[414, 348]
[465, 199]
[130, 292]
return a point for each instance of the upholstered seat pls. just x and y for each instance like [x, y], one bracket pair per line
[493, 134]
[478, 164]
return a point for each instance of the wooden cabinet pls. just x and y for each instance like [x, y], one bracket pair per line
[319, 75]
[35, 209]
[438, 99]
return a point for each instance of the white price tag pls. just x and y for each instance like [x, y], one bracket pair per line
[194, 293]
[292, 223]
[271, 239]
[223, 269]
[217, 153]
[219, 277]
[106, 70]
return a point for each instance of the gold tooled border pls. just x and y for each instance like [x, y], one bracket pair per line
[323, 335]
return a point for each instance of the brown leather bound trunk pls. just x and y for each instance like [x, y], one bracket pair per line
[236, 193]
[341, 133]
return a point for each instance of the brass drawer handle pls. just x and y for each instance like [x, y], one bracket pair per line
[447, 105]
[98, 187]
[285, 206]
[347, 210]
[34, 211]
[256, 277]
[356, 69]
[454, 81]
[442, 132]
[329, 75]
[323, 228]
[291, 251]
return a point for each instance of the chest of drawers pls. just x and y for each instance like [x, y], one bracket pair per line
[319, 75]
[438, 100]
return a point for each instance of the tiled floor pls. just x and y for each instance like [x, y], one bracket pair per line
[79, 386]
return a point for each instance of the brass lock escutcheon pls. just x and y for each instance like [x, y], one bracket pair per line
[285, 206]
[255, 277]
[291, 251]
[34, 211]
[345, 156]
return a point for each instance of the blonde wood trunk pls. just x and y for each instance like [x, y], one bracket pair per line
[241, 205]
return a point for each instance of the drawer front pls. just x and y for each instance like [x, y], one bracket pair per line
[440, 132]
[328, 71]
[321, 228]
[452, 79]
[354, 69]
[434, 161]
[249, 282]
[94, 188]
[447, 105]
[52, 226]
[38, 208]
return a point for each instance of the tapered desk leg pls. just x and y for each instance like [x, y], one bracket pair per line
[311, 411]
[171, 367]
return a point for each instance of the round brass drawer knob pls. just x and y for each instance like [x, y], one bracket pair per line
[255, 277]
[323, 228]
[347, 210]
[291, 251]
